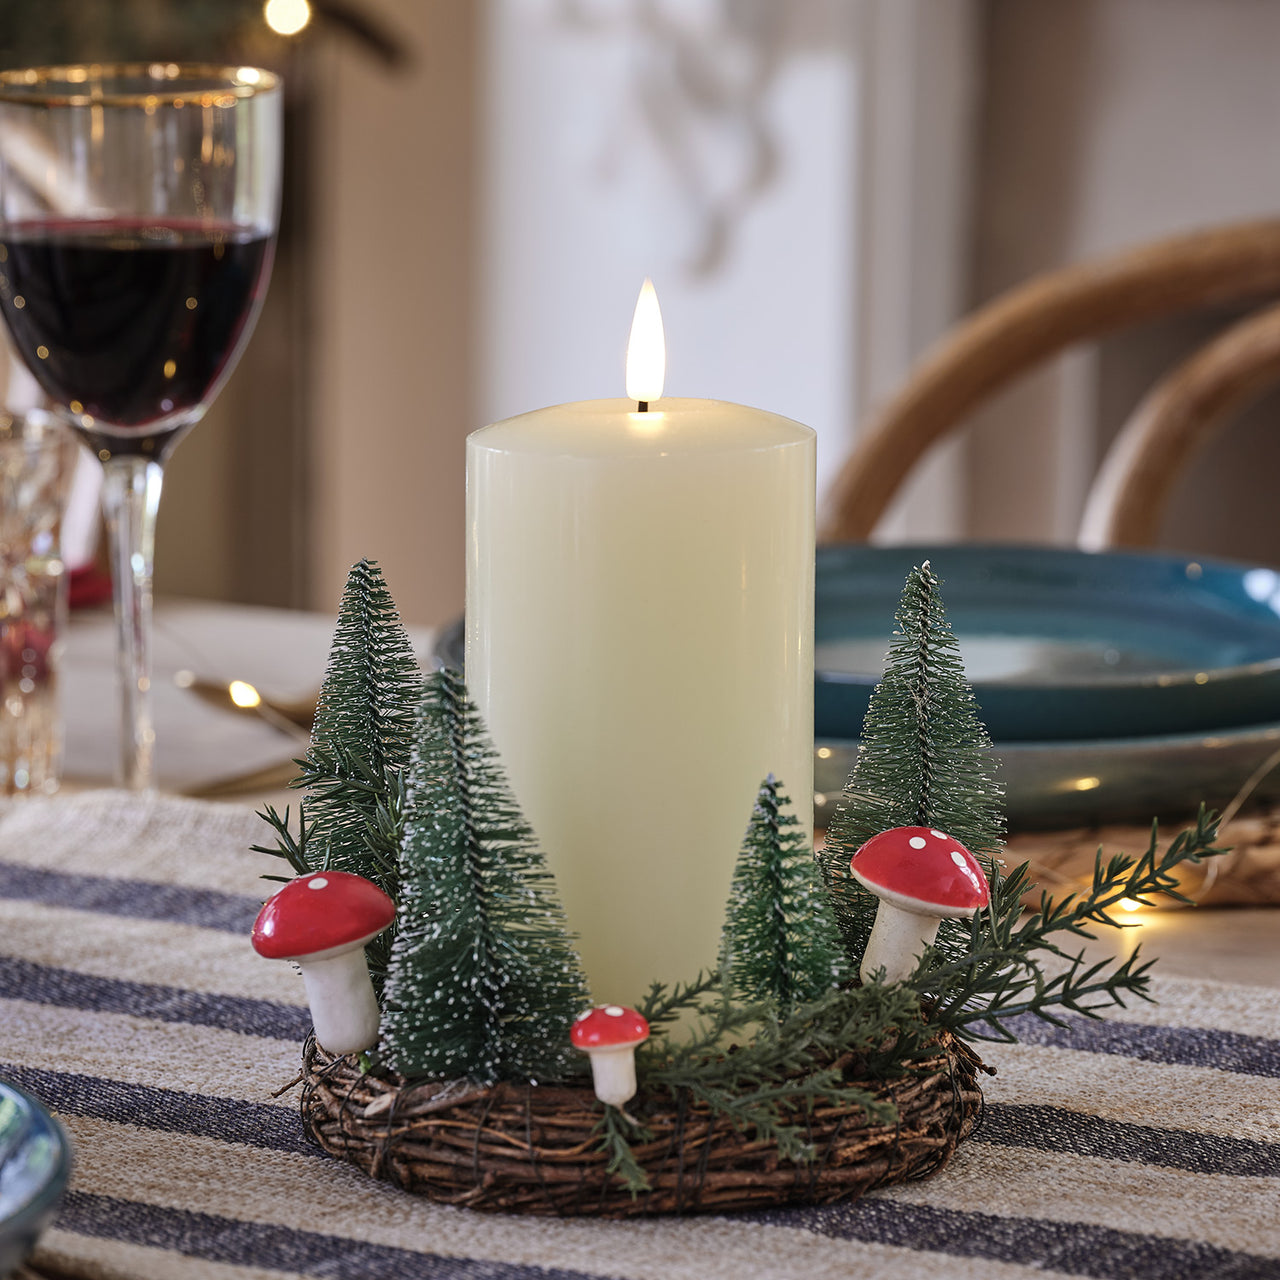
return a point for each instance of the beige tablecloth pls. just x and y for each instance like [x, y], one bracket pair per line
[131, 1002]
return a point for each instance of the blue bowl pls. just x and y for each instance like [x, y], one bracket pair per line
[1062, 645]
[35, 1163]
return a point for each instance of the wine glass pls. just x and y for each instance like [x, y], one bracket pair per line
[138, 211]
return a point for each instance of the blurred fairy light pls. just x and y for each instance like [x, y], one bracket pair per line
[243, 694]
[287, 17]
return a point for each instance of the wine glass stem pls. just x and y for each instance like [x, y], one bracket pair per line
[130, 499]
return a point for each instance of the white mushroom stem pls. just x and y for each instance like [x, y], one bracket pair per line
[897, 939]
[344, 1009]
[613, 1072]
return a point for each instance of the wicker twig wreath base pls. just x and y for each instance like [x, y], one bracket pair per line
[527, 1149]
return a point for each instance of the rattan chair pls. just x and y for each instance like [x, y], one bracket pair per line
[1175, 421]
[1052, 312]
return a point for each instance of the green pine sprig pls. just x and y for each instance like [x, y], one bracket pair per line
[1007, 966]
[764, 1074]
[288, 847]
[614, 1127]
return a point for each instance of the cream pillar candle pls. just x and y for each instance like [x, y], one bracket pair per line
[639, 641]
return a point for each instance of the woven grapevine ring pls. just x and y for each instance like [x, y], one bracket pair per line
[536, 1149]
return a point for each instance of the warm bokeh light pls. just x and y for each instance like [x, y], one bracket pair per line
[1129, 904]
[646, 348]
[243, 694]
[287, 17]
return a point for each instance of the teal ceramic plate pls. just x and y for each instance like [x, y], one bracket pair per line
[1079, 783]
[1062, 645]
[35, 1162]
[1116, 686]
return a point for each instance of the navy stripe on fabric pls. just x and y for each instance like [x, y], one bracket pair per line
[1172, 1046]
[276, 1248]
[1076, 1248]
[130, 899]
[200, 1115]
[44, 984]
[1056, 1129]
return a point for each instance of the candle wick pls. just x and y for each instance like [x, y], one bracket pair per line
[642, 406]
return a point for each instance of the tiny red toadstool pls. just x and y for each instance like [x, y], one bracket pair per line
[609, 1034]
[921, 877]
[322, 922]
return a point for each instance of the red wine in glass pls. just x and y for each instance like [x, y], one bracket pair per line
[137, 206]
[131, 324]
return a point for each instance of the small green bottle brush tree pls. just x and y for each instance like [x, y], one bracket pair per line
[483, 981]
[781, 946]
[478, 979]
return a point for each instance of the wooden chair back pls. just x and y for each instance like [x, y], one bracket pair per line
[1052, 312]
[1174, 422]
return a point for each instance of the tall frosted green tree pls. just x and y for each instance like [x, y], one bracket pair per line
[354, 770]
[483, 980]
[362, 734]
[924, 758]
[780, 942]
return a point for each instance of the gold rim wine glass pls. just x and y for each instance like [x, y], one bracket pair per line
[138, 210]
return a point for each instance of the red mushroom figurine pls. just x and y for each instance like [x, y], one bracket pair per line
[609, 1034]
[921, 877]
[322, 921]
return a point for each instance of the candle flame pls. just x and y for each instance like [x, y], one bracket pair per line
[646, 348]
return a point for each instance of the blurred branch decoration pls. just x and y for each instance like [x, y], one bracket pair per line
[55, 31]
[698, 84]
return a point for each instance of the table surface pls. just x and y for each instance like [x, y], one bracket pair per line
[284, 654]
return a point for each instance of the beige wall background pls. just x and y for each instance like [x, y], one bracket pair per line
[1105, 123]
[394, 312]
[341, 433]
[1078, 128]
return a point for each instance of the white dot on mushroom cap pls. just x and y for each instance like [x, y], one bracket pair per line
[941, 835]
[614, 1010]
[958, 858]
[586, 1013]
[317, 882]
[916, 842]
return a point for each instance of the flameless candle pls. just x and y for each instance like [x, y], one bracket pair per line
[640, 643]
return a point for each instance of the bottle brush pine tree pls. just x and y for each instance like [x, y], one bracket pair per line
[924, 759]
[353, 773]
[362, 734]
[780, 941]
[483, 980]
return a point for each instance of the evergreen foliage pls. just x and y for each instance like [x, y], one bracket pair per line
[361, 737]
[763, 1073]
[483, 980]
[354, 771]
[923, 760]
[1006, 967]
[780, 940]
[760, 1072]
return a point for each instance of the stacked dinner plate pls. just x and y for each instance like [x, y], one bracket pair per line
[1115, 685]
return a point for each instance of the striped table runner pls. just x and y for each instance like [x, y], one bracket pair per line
[131, 1003]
